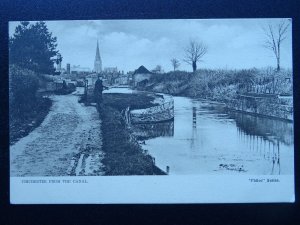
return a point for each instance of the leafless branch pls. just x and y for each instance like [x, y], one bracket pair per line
[275, 35]
[194, 53]
[175, 63]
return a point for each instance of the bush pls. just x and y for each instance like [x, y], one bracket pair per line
[23, 85]
[66, 89]
[280, 82]
[173, 76]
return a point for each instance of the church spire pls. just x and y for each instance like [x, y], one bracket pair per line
[97, 62]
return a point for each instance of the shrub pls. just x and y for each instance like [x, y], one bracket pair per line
[173, 76]
[23, 85]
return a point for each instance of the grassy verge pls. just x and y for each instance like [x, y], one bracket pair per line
[122, 101]
[222, 85]
[123, 155]
[21, 123]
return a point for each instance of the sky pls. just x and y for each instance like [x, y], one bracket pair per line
[128, 44]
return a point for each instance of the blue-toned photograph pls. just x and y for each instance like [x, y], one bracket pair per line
[151, 97]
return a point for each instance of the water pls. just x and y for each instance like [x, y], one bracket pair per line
[123, 90]
[205, 139]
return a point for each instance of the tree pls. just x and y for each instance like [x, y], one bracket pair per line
[23, 85]
[33, 47]
[275, 35]
[175, 63]
[194, 53]
[157, 69]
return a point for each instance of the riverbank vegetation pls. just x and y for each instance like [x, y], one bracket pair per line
[27, 110]
[221, 85]
[134, 101]
[123, 154]
[31, 51]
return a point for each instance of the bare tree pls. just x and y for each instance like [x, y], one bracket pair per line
[275, 35]
[194, 53]
[175, 63]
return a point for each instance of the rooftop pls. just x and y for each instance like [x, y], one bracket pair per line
[141, 69]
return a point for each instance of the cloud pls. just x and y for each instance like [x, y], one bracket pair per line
[127, 44]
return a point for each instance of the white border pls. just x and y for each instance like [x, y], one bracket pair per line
[153, 189]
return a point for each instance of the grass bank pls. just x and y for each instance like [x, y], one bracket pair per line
[123, 154]
[221, 85]
[22, 122]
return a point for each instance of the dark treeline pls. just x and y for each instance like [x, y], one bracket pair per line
[31, 51]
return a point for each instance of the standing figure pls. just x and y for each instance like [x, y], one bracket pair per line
[98, 92]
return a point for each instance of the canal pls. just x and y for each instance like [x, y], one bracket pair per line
[204, 138]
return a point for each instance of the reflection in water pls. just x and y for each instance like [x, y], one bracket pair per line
[194, 117]
[147, 131]
[268, 149]
[265, 127]
[194, 131]
[258, 130]
[119, 90]
[206, 139]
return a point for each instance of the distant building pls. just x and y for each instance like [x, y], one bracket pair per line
[91, 79]
[78, 69]
[68, 68]
[123, 79]
[110, 74]
[98, 61]
[110, 70]
[141, 76]
[58, 62]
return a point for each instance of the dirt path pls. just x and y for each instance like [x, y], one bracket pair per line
[68, 142]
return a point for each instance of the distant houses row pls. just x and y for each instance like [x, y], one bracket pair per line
[77, 70]
[139, 77]
[111, 76]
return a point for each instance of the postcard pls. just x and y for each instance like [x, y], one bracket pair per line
[151, 111]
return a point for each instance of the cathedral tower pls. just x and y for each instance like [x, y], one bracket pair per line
[97, 62]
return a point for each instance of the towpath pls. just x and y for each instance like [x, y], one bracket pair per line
[68, 142]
